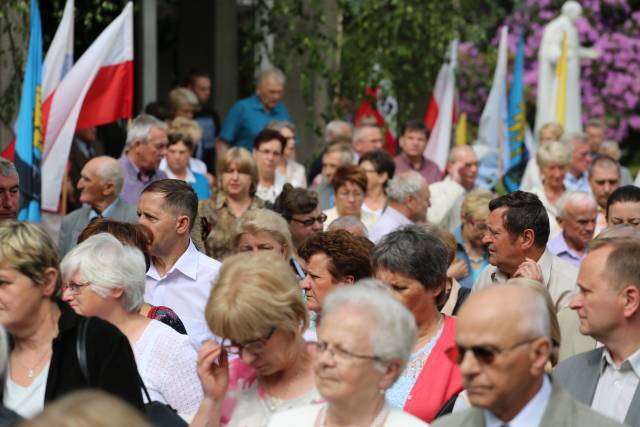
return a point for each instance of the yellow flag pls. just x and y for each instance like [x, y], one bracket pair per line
[461, 130]
[561, 75]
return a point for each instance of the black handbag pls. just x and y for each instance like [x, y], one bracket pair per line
[157, 413]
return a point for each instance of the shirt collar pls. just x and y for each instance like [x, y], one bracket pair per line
[190, 178]
[187, 264]
[529, 416]
[256, 104]
[105, 213]
[630, 363]
[393, 213]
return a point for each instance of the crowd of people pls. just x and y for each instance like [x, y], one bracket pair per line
[205, 278]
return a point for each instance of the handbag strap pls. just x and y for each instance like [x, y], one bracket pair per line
[81, 347]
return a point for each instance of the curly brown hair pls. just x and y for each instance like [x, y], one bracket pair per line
[351, 173]
[348, 255]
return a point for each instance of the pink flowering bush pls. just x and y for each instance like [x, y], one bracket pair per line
[610, 84]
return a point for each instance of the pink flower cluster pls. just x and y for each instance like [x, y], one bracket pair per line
[610, 84]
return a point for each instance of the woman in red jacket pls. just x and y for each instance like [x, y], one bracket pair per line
[413, 264]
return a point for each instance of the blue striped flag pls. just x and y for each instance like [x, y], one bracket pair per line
[29, 124]
[517, 124]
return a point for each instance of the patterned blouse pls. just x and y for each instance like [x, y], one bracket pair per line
[247, 404]
[218, 221]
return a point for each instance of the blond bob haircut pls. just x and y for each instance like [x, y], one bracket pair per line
[26, 247]
[263, 221]
[88, 408]
[182, 97]
[253, 293]
[554, 128]
[187, 127]
[553, 153]
[242, 159]
[476, 204]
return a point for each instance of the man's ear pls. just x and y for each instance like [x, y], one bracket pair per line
[631, 295]
[108, 188]
[528, 239]
[183, 224]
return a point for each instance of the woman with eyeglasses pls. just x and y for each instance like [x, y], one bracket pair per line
[365, 338]
[412, 263]
[470, 249]
[268, 148]
[237, 182]
[380, 168]
[257, 308]
[301, 209]
[350, 185]
[104, 278]
[43, 360]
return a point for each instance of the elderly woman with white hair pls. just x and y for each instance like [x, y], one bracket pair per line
[364, 342]
[553, 159]
[106, 279]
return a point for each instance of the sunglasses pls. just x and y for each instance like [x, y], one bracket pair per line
[484, 354]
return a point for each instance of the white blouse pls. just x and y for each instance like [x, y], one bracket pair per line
[26, 401]
[167, 365]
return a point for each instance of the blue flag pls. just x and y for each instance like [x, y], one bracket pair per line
[517, 124]
[29, 124]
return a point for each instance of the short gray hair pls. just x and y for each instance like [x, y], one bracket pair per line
[274, 73]
[347, 222]
[7, 167]
[404, 184]
[334, 129]
[358, 130]
[346, 152]
[574, 197]
[107, 264]
[141, 127]
[393, 333]
[456, 149]
[573, 138]
[111, 171]
[282, 124]
[619, 230]
[553, 152]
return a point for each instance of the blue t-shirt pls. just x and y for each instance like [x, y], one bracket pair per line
[201, 186]
[247, 118]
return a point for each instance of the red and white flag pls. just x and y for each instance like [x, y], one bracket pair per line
[369, 110]
[97, 90]
[440, 113]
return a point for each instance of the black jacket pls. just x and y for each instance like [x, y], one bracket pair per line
[111, 363]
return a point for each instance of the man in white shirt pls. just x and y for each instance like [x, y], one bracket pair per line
[447, 195]
[408, 195]
[180, 277]
[503, 343]
[517, 235]
[608, 304]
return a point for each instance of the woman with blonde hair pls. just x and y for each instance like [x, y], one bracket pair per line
[553, 159]
[262, 230]
[237, 183]
[257, 308]
[43, 363]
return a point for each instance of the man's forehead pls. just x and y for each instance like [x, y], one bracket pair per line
[9, 181]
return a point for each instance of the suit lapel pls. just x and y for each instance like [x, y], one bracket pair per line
[633, 414]
[560, 405]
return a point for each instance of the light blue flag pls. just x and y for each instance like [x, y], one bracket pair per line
[29, 124]
[517, 123]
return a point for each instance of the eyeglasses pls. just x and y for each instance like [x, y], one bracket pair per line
[310, 221]
[480, 225]
[254, 346]
[339, 353]
[484, 354]
[74, 288]
[348, 194]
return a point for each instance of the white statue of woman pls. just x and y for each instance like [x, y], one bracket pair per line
[548, 56]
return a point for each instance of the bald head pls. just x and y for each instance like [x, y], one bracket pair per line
[463, 166]
[100, 182]
[503, 341]
[513, 310]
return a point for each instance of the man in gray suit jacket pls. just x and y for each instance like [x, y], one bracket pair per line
[503, 342]
[608, 304]
[100, 185]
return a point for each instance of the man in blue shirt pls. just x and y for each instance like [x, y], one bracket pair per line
[249, 116]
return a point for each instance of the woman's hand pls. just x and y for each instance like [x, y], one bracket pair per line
[457, 270]
[213, 370]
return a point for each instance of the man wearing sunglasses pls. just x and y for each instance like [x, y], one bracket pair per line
[608, 305]
[516, 239]
[503, 342]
